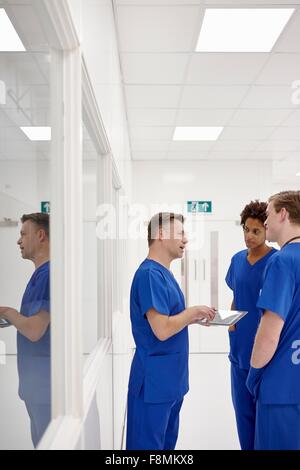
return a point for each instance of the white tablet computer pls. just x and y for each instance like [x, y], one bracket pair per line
[225, 317]
[4, 323]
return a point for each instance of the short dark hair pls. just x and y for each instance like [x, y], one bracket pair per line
[40, 219]
[255, 210]
[159, 220]
[290, 200]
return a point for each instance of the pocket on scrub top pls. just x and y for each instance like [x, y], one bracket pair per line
[166, 377]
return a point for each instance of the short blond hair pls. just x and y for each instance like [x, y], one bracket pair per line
[290, 200]
[159, 220]
[40, 219]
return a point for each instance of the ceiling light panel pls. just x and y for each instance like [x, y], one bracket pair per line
[37, 133]
[242, 29]
[197, 133]
[9, 38]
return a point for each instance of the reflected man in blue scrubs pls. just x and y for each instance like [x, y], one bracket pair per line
[32, 323]
[245, 278]
[159, 371]
[274, 376]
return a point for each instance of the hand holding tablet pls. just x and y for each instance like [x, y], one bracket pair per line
[225, 317]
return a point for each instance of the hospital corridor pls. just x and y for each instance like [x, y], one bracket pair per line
[122, 121]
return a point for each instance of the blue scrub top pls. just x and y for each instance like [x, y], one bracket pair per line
[245, 280]
[34, 357]
[281, 294]
[160, 366]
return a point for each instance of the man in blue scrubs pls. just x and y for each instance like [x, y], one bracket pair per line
[274, 378]
[245, 278]
[159, 371]
[32, 323]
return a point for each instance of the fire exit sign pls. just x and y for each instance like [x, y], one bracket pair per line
[199, 206]
[45, 207]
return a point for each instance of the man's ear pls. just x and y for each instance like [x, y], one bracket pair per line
[283, 214]
[160, 234]
[42, 235]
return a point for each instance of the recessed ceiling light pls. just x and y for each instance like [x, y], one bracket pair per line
[241, 29]
[37, 133]
[298, 174]
[9, 38]
[197, 133]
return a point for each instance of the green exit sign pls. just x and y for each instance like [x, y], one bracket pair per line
[199, 206]
[45, 207]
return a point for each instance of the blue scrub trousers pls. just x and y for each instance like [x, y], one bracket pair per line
[277, 427]
[244, 407]
[152, 426]
[40, 417]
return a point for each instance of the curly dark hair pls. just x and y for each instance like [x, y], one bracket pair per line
[255, 210]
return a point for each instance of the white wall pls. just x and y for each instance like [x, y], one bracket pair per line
[229, 184]
[19, 180]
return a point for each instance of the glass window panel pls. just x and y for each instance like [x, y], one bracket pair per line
[24, 184]
[90, 277]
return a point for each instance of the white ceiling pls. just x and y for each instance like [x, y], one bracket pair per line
[167, 84]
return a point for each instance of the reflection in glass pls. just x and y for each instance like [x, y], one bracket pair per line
[24, 184]
[33, 325]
